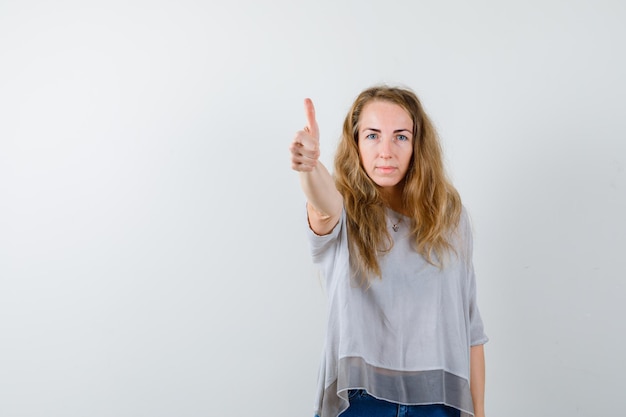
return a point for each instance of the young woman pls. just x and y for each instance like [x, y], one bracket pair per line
[404, 334]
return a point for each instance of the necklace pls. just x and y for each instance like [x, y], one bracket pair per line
[396, 225]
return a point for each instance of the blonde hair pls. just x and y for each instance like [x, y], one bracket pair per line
[429, 199]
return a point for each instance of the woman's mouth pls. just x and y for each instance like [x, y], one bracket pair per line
[386, 169]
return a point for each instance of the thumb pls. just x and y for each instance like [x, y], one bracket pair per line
[311, 123]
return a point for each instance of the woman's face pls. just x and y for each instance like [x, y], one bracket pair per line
[385, 143]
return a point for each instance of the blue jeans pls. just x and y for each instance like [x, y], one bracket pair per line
[364, 405]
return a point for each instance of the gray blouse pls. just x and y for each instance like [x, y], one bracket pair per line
[406, 337]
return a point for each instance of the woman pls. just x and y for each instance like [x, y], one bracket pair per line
[393, 240]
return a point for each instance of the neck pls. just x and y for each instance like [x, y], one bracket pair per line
[393, 199]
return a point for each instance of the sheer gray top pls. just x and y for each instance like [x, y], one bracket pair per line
[406, 337]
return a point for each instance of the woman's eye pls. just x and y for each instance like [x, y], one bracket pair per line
[402, 138]
[371, 136]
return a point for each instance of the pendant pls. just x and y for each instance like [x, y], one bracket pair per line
[395, 227]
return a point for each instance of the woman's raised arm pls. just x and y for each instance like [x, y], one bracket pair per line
[324, 203]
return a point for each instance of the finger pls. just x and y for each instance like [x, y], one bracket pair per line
[311, 122]
[303, 164]
[301, 168]
[300, 162]
[304, 144]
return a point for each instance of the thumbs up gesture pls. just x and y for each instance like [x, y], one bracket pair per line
[305, 148]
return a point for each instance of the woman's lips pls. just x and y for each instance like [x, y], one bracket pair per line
[386, 169]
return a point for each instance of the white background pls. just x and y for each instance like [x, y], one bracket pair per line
[153, 260]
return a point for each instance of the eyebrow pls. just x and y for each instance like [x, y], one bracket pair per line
[395, 131]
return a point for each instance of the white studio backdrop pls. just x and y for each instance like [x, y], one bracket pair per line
[153, 260]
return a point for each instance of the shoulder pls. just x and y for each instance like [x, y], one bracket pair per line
[321, 245]
[333, 230]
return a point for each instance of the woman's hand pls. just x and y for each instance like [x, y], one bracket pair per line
[305, 148]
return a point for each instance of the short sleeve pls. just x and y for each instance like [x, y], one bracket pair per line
[477, 328]
[323, 246]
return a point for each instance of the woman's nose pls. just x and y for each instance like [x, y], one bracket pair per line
[385, 148]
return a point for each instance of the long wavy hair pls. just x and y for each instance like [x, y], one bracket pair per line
[429, 199]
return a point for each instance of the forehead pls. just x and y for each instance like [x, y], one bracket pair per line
[381, 112]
